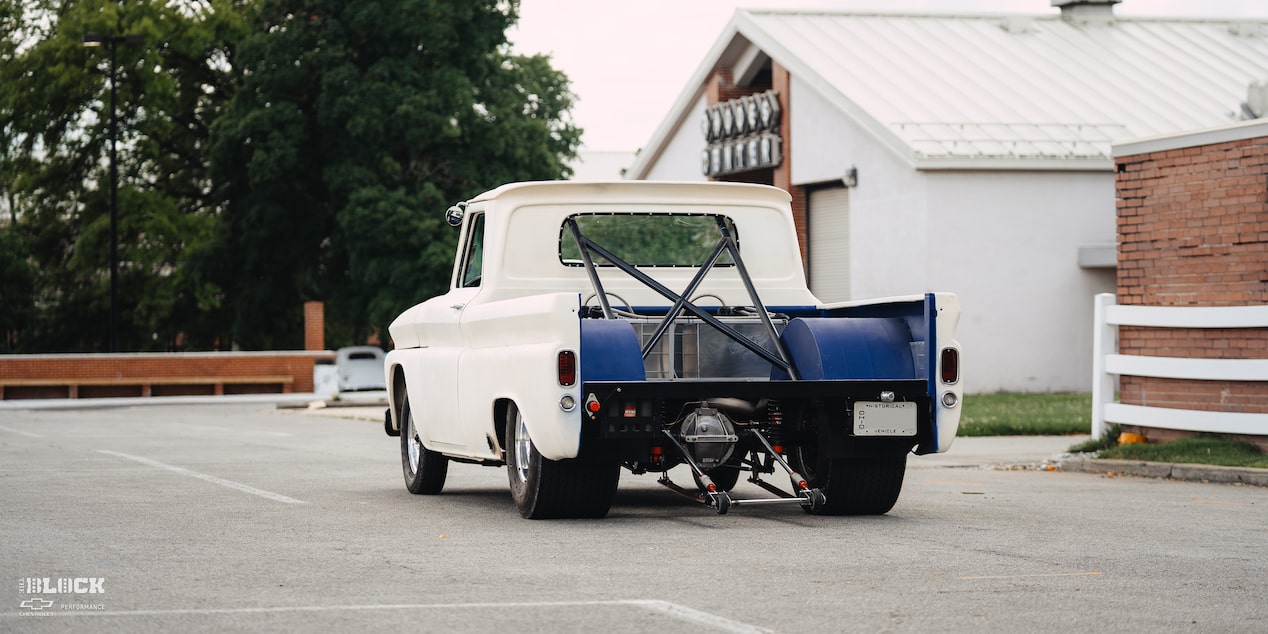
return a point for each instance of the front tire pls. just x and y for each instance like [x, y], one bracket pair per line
[547, 489]
[424, 469]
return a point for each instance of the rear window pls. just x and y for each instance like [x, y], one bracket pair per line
[648, 239]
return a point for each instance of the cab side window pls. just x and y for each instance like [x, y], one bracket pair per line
[473, 255]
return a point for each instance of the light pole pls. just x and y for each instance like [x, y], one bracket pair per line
[110, 42]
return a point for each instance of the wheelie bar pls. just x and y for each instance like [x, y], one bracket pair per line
[813, 498]
[721, 501]
[694, 496]
[711, 497]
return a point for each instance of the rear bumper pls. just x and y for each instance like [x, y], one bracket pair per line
[636, 410]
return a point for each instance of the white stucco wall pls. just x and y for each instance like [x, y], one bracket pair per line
[887, 208]
[680, 160]
[1005, 241]
[1007, 244]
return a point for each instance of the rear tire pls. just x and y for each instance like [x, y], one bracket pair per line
[853, 486]
[424, 469]
[549, 489]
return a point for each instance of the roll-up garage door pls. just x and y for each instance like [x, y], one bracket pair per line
[829, 238]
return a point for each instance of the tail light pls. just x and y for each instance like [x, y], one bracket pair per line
[567, 368]
[950, 363]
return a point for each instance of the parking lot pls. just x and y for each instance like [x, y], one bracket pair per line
[244, 517]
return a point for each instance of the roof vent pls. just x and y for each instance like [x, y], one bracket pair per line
[1018, 24]
[1256, 104]
[1245, 29]
[1086, 11]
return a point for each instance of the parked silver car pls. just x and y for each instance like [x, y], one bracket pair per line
[360, 368]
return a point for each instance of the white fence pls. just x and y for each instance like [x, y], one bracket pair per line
[1107, 364]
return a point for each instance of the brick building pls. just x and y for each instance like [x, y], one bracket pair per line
[1193, 231]
[968, 153]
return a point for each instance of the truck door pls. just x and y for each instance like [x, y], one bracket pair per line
[440, 420]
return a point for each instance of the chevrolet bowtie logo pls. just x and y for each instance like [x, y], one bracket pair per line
[36, 603]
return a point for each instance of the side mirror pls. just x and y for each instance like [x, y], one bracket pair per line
[455, 214]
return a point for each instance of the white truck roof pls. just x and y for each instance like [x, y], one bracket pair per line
[524, 227]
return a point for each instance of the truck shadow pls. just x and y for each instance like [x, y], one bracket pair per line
[640, 502]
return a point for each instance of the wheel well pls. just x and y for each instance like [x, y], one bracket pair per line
[398, 395]
[500, 408]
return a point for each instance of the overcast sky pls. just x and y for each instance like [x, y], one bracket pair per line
[628, 60]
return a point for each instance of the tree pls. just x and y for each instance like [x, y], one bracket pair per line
[53, 146]
[356, 124]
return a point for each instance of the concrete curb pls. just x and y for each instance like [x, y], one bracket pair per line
[1170, 470]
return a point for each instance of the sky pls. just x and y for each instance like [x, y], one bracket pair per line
[629, 60]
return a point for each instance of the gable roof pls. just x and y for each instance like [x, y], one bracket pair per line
[998, 91]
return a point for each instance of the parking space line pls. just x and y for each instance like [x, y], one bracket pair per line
[685, 613]
[1042, 574]
[668, 608]
[238, 486]
[19, 432]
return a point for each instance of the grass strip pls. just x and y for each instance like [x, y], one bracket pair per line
[1196, 450]
[1022, 414]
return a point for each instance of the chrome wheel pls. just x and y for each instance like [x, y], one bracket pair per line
[523, 449]
[424, 469]
[415, 445]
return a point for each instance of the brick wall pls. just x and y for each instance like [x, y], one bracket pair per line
[112, 375]
[1193, 231]
[781, 82]
[314, 326]
[720, 88]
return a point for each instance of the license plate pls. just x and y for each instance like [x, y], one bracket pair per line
[884, 419]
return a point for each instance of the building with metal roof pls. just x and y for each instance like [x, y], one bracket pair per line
[963, 153]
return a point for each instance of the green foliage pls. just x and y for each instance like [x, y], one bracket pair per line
[1092, 445]
[356, 125]
[17, 287]
[1011, 413]
[1196, 450]
[270, 152]
[649, 239]
[54, 148]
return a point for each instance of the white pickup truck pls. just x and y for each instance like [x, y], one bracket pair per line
[595, 327]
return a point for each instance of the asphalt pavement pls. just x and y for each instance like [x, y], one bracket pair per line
[246, 517]
[992, 452]
[989, 452]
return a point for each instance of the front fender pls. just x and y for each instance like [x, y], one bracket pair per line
[394, 379]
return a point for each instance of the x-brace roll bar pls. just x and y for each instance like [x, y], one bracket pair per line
[726, 244]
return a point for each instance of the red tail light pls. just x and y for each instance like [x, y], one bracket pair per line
[950, 365]
[567, 368]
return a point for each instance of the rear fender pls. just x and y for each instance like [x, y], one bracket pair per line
[930, 322]
[512, 357]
